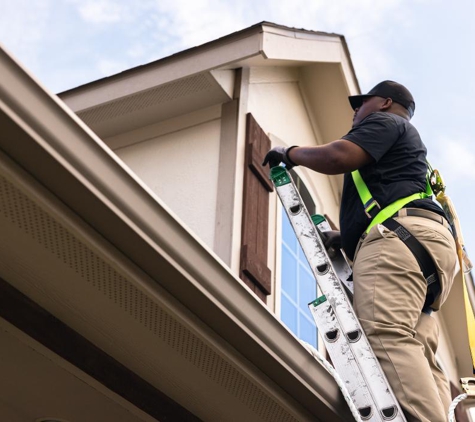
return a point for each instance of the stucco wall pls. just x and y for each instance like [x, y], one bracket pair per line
[279, 107]
[182, 169]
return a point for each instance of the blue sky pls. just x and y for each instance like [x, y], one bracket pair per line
[428, 45]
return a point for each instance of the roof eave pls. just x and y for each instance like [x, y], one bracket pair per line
[247, 43]
[60, 152]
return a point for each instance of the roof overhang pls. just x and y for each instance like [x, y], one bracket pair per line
[203, 76]
[90, 245]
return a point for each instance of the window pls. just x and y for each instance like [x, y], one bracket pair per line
[298, 286]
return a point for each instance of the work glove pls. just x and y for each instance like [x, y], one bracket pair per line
[331, 241]
[279, 155]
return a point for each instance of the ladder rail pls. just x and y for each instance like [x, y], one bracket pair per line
[333, 313]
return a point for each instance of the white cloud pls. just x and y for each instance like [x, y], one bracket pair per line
[23, 27]
[183, 23]
[102, 11]
[138, 50]
[111, 67]
[455, 159]
[151, 29]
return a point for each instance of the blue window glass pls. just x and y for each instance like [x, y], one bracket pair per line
[288, 235]
[289, 313]
[308, 331]
[298, 284]
[289, 271]
[307, 284]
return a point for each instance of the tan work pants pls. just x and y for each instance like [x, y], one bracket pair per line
[389, 295]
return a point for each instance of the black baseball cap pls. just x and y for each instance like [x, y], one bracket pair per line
[387, 89]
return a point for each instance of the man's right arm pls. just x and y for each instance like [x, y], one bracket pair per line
[340, 156]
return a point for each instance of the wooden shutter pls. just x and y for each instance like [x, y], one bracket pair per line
[255, 220]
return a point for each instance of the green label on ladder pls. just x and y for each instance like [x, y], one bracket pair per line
[279, 176]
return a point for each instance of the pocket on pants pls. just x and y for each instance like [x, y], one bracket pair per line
[377, 232]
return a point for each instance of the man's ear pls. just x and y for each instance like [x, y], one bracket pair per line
[387, 104]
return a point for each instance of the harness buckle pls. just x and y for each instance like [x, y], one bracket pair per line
[369, 206]
[468, 384]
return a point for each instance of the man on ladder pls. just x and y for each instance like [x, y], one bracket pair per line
[403, 252]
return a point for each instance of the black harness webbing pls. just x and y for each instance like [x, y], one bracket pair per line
[426, 263]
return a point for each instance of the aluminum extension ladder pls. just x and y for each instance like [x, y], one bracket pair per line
[347, 345]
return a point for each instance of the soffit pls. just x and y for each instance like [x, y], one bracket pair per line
[156, 104]
[64, 267]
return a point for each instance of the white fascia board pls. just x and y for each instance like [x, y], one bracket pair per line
[289, 45]
[165, 71]
[349, 74]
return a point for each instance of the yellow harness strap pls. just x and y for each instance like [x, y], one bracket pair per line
[371, 206]
[465, 267]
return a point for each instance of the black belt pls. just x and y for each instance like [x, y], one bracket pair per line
[418, 212]
[426, 263]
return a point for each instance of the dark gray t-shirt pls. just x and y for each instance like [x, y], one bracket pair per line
[398, 170]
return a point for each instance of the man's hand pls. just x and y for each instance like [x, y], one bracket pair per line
[278, 155]
[331, 241]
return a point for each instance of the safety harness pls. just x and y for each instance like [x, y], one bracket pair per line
[373, 209]
[384, 216]
[434, 185]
